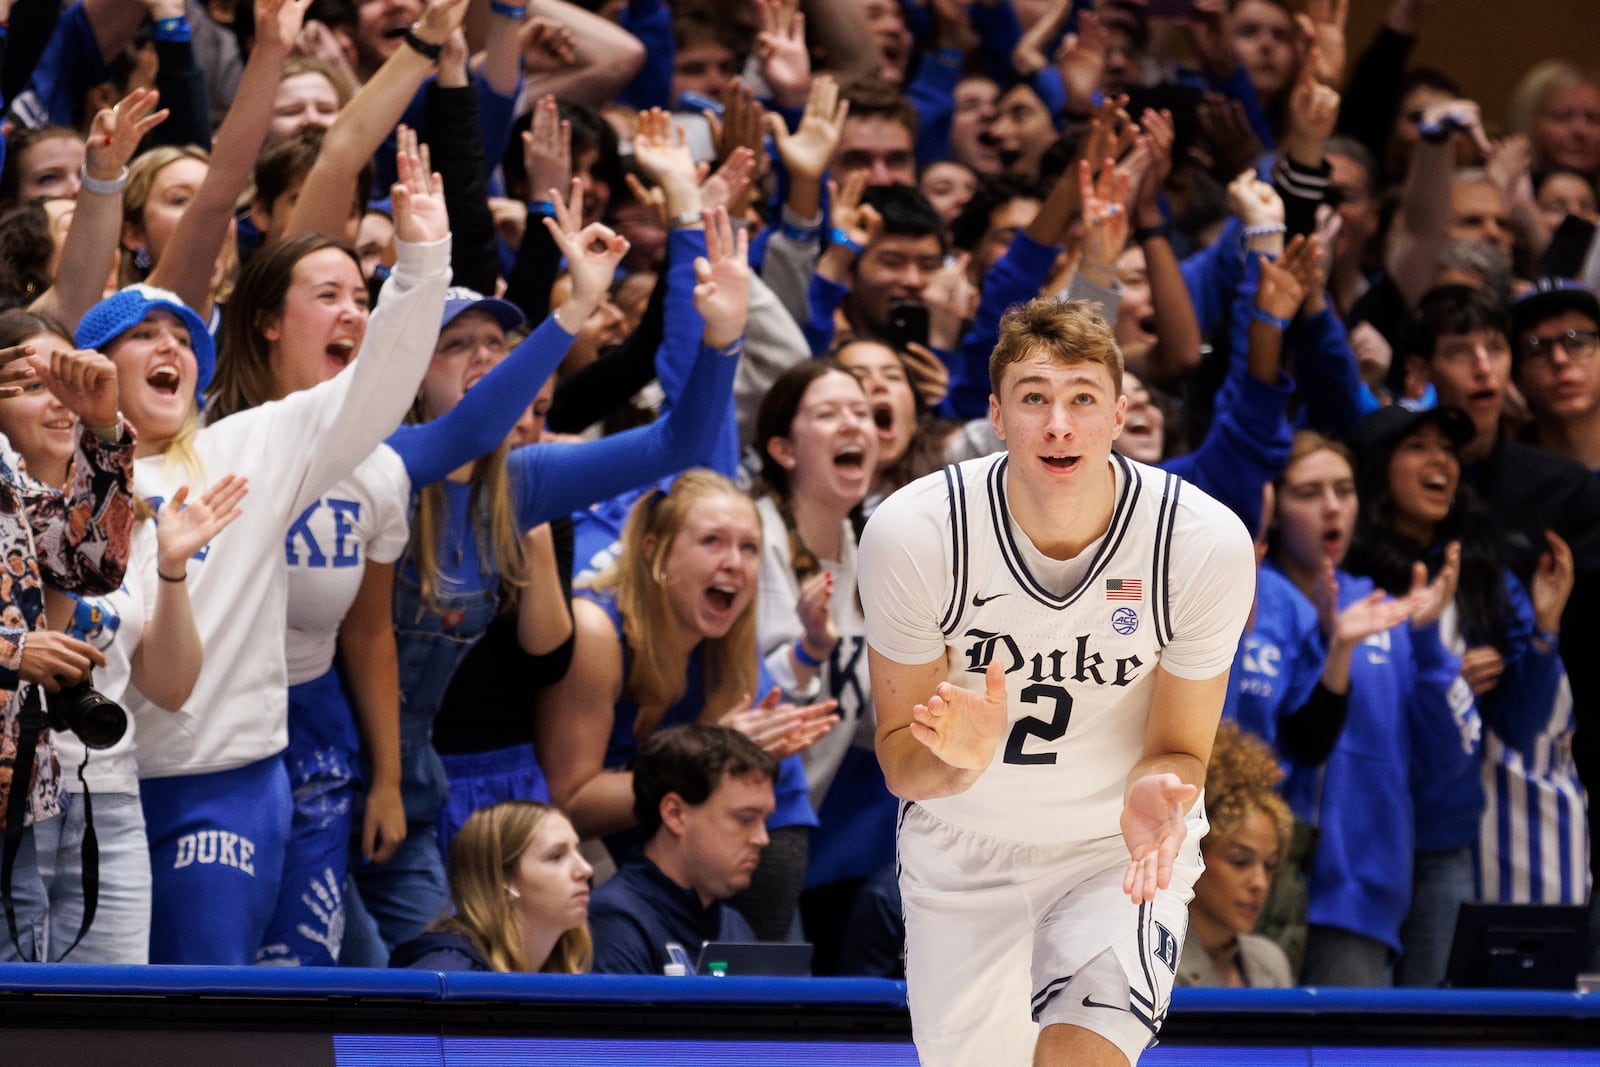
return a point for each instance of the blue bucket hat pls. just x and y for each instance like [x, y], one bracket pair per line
[459, 298]
[125, 309]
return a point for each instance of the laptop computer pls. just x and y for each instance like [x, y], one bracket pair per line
[771, 958]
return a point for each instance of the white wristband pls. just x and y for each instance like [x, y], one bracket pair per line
[113, 187]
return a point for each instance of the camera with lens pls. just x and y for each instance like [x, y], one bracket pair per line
[98, 720]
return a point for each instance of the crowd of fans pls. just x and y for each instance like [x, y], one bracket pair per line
[446, 427]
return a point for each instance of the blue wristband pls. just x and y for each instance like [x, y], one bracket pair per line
[542, 208]
[837, 236]
[173, 29]
[1267, 319]
[803, 657]
[509, 11]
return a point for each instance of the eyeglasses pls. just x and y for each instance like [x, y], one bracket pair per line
[1579, 345]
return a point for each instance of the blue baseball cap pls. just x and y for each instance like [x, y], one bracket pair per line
[459, 298]
[126, 308]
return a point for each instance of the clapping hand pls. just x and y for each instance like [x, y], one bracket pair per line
[1429, 599]
[961, 727]
[1154, 829]
[184, 527]
[782, 730]
[1552, 583]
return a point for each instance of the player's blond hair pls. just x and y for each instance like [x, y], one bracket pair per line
[1072, 331]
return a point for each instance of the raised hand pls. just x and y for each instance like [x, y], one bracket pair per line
[418, 195]
[1286, 280]
[1367, 617]
[1322, 26]
[722, 276]
[547, 149]
[1081, 59]
[1158, 132]
[740, 124]
[83, 380]
[440, 18]
[961, 727]
[1429, 599]
[1255, 202]
[729, 186]
[782, 730]
[1105, 219]
[781, 47]
[1233, 141]
[278, 23]
[1552, 583]
[809, 149]
[861, 222]
[184, 527]
[115, 133]
[1313, 113]
[815, 611]
[1460, 116]
[17, 375]
[592, 257]
[1153, 828]
[662, 151]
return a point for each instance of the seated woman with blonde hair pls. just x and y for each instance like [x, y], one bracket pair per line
[1250, 826]
[521, 894]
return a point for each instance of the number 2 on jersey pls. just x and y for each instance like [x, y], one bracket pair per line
[1032, 726]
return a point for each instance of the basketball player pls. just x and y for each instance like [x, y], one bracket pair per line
[1050, 632]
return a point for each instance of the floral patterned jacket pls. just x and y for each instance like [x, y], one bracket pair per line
[78, 541]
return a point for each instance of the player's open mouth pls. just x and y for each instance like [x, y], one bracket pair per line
[1061, 463]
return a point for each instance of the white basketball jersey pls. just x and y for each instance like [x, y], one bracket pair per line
[1080, 666]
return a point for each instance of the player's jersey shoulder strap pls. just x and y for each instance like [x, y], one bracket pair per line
[960, 547]
[1161, 557]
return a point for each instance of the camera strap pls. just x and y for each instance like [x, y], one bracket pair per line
[33, 723]
[30, 723]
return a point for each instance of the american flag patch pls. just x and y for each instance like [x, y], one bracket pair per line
[1124, 589]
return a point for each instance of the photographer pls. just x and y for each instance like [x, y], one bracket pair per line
[76, 539]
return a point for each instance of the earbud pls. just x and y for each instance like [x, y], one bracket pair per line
[511, 891]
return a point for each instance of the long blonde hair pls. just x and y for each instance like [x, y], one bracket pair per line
[483, 858]
[654, 680]
[491, 489]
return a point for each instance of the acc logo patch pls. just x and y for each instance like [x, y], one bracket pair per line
[1124, 621]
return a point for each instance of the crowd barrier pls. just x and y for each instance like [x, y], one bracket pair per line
[241, 1017]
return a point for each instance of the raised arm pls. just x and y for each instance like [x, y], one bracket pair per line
[90, 249]
[605, 57]
[355, 135]
[204, 225]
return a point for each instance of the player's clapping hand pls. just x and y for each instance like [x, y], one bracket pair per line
[1153, 827]
[962, 727]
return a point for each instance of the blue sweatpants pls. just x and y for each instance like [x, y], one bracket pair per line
[216, 859]
[483, 779]
[308, 923]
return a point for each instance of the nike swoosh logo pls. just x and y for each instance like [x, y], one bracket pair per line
[980, 601]
[1095, 1004]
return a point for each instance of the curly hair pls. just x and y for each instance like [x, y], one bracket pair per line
[1242, 777]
